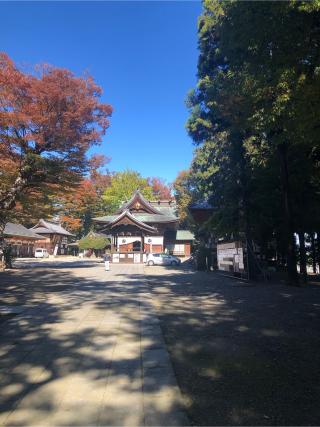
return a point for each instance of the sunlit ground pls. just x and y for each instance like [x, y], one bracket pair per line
[86, 349]
[83, 346]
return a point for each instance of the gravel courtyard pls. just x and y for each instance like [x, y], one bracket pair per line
[155, 346]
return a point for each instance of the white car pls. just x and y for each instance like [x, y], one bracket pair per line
[41, 253]
[162, 259]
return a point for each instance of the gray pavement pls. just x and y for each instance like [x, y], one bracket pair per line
[84, 347]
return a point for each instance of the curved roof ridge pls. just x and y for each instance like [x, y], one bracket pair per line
[143, 200]
[135, 220]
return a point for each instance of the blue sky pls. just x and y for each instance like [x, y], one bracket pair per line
[143, 54]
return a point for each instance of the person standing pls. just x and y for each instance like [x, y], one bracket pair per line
[106, 262]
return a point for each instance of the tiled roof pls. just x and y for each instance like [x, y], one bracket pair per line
[155, 218]
[184, 235]
[107, 218]
[19, 230]
[134, 219]
[143, 217]
[41, 230]
[46, 227]
[166, 210]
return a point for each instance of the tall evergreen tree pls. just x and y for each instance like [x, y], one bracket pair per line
[257, 60]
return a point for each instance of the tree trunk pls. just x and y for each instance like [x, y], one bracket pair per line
[318, 250]
[252, 264]
[2, 227]
[313, 253]
[8, 199]
[303, 257]
[287, 216]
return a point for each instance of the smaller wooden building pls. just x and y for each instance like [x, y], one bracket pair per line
[180, 243]
[23, 241]
[201, 211]
[56, 237]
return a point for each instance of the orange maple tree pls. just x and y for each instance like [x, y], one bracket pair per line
[48, 120]
[83, 202]
[160, 189]
[78, 204]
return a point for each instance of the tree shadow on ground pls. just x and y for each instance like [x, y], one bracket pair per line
[243, 355]
[62, 362]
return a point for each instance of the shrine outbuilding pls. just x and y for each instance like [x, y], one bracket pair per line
[56, 237]
[22, 241]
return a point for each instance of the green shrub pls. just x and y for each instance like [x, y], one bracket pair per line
[92, 241]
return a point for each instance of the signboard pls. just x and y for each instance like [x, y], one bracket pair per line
[115, 258]
[230, 257]
[136, 258]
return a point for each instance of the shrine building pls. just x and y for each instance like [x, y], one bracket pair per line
[141, 226]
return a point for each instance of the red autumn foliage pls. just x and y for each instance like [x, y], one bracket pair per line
[99, 179]
[160, 189]
[48, 121]
[85, 201]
